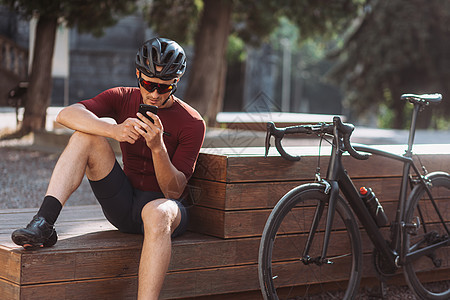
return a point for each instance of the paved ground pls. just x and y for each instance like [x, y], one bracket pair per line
[24, 176]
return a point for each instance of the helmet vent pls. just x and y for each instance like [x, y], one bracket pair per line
[155, 55]
[179, 58]
[163, 47]
[168, 57]
[145, 52]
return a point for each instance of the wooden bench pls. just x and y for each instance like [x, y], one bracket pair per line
[94, 261]
[233, 191]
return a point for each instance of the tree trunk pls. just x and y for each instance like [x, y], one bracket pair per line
[207, 77]
[398, 107]
[39, 91]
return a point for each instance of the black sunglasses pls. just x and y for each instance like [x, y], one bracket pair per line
[160, 87]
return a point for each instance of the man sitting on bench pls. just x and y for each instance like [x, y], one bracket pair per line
[159, 155]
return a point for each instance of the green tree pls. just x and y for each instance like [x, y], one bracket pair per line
[396, 47]
[250, 20]
[86, 15]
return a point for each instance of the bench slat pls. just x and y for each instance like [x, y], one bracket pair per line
[259, 195]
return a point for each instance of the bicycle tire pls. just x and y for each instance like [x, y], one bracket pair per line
[278, 269]
[440, 189]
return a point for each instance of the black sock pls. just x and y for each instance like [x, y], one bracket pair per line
[50, 209]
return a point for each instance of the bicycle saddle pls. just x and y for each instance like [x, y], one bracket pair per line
[423, 99]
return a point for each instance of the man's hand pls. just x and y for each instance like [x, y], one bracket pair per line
[151, 132]
[171, 181]
[126, 131]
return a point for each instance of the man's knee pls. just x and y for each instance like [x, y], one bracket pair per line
[99, 156]
[88, 141]
[160, 216]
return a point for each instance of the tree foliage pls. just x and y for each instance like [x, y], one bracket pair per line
[176, 19]
[252, 21]
[396, 47]
[88, 16]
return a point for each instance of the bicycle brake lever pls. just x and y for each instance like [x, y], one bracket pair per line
[346, 131]
[269, 130]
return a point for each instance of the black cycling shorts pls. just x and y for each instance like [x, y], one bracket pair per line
[122, 204]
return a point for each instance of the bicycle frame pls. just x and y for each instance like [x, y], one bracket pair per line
[338, 179]
[416, 204]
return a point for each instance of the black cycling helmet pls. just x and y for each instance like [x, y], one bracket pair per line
[164, 53]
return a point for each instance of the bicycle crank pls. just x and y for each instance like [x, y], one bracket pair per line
[383, 269]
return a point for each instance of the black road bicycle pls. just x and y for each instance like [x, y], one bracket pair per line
[312, 238]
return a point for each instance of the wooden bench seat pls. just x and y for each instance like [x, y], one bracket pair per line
[92, 260]
[232, 190]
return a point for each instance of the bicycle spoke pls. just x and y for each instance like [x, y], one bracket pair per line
[428, 249]
[301, 226]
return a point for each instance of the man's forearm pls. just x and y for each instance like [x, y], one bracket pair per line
[171, 181]
[77, 117]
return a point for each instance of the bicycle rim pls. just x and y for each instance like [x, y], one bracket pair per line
[431, 231]
[283, 243]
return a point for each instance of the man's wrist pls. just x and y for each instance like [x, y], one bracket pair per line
[111, 130]
[161, 149]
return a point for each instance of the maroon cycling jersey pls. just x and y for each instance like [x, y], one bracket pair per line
[184, 125]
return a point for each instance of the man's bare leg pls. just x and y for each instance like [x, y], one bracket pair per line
[85, 154]
[160, 217]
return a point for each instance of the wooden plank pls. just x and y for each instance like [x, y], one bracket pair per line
[207, 221]
[111, 288]
[258, 195]
[295, 273]
[223, 196]
[176, 285]
[9, 291]
[180, 285]
[116, 254]
[53, 266]
[10, 264]
[250, 223]
[249, 164]
[247, 223]
[253, 169]
[214, 253]
[76, 265]
[210, 166]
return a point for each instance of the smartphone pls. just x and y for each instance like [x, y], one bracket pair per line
[144, 108]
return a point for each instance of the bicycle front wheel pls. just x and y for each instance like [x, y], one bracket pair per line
[282, 260]
[431, 231]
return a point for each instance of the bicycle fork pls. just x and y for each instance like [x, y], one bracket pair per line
[332, 188]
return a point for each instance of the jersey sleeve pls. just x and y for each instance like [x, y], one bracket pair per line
[105, 104]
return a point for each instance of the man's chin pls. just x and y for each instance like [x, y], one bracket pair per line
[153, 102]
